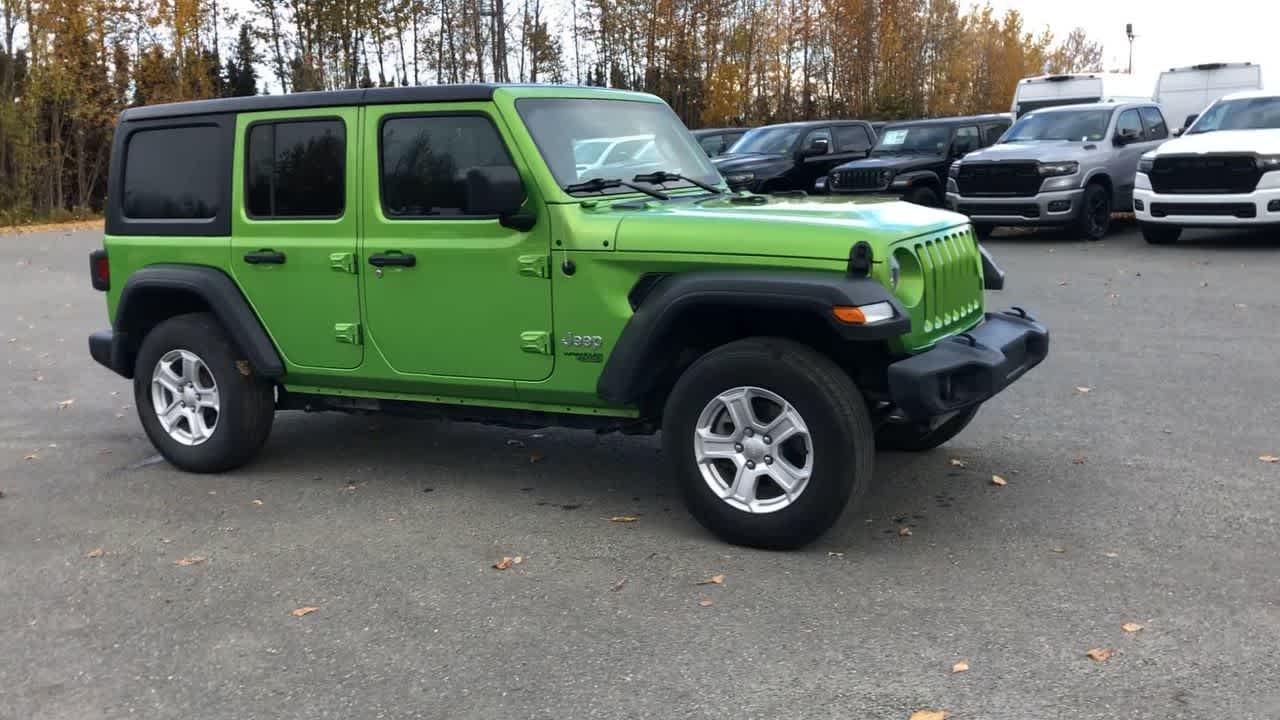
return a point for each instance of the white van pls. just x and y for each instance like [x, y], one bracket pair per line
[1044, 91]
[1183, 93]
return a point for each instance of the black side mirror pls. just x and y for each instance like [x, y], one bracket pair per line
[819, 146]
[1178, 132]
[1126, 136]
[496, 190]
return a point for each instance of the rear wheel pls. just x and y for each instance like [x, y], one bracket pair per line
[918, 438]
[1160, 234]
[202, 408]
[768, 440]
[922, 195]
[1095, 212]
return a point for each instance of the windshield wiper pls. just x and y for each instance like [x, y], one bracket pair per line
[602, 184]
[661, 176]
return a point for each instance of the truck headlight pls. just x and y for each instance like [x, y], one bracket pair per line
[1146, 162]
[1059, 168]
[954, 170]
[740, 178]
[886, 176]
[1267, 163]
[863, 314]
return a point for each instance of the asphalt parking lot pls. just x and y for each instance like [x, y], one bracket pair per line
[1135, 494]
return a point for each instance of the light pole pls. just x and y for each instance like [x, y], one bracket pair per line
[1128, 30]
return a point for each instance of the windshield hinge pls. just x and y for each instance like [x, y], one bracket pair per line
[535, 265]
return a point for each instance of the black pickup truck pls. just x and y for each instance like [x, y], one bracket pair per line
[910, 159]
[793, 156]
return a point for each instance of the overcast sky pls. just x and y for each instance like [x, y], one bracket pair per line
[1169, 33]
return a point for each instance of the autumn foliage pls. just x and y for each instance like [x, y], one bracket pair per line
[68, 67]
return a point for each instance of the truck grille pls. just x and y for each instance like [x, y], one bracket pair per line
[1003, 179]
[1239, 210]
[858, 179]
[950, 286]
[1204, 174]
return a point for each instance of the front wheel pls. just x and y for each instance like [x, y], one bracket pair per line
[983, 230]
[922, 195]
[1095, 212]
[1156, 234]
[202, 408]
[768, 440]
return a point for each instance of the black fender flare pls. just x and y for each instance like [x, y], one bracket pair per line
[629, 370]
[216, 290]
[916, 178]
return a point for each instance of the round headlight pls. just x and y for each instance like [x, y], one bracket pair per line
[895, 271]
[886, 176]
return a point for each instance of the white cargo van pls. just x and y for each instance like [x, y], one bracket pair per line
[1183, 93]
[1044, 91]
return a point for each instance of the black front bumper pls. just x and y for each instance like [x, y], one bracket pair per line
[108, 349]
[970, 368]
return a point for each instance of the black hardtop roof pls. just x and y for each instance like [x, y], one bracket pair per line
[323, 98]
[814, 123]
[709, 130]
[949, 121]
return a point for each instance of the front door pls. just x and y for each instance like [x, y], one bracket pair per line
[293, 239]
[450, 291]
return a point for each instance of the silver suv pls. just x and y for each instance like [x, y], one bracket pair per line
[1067, 166]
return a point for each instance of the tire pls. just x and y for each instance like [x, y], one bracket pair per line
[837, 435]
[923, 195]
[1094, 219]
[983, 230]
[204, 439]
[1160, 234]
[913, 438]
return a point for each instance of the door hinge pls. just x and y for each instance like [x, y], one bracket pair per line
[536, 341]
[347, 333]
[346, 262]
[535, 265]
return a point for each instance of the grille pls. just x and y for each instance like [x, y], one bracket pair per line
[1006, 179]
[1026, 210]
[1240, 210]
[952, 280]
[1205, 174]
[858, 179]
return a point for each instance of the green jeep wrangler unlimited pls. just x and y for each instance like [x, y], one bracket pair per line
[446, 252]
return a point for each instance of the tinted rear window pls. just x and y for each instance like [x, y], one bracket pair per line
[296, 169]
[173, 174]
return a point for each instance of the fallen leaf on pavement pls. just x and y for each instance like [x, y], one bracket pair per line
[962, 666]
[66, 403]
[534, 457]
[1111, 554]
[1099, 654]
[31, 456]
[997, 480]
[517, 560]
[257, 502]
[705, 602]
[1241, 306]
[623, 518]
[307, 610]
[1083, 390]
[1063, 283]
[1269, 458]
[834, 554]
[504, 563]
[904, 531]
[928, 715]
[95, 553]
[243, 367]
[1, 494]
[957, 462]
[713, 580]
[1059, 550]
[191, 560]
[1131, 627]
[618, 585]
[1078, 461]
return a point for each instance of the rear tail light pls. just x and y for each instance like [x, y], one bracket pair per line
[100, 270]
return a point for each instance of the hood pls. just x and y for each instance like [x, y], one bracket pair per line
[892, 162]
[751, 162]
[1046, 150]
[818, 227]
[1262, 142]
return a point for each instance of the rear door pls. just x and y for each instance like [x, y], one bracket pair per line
[294, 228]
[1124, 166]
[467, 297]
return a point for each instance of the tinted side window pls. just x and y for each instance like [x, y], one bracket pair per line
[815, 135]
[172, 173]
[991, 133]
[1157, 129]
[296, 169]
[711, 144]
[1129, 121]
[966, 140]
[852, 138]
[422, 162]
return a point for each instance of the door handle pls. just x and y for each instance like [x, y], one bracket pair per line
[264, 257]
[397, 259]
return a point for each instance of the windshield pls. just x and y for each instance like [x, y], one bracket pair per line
[1245, 114]
[1074, 125]
[627, 137]
[776, 140]
[918, 138]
